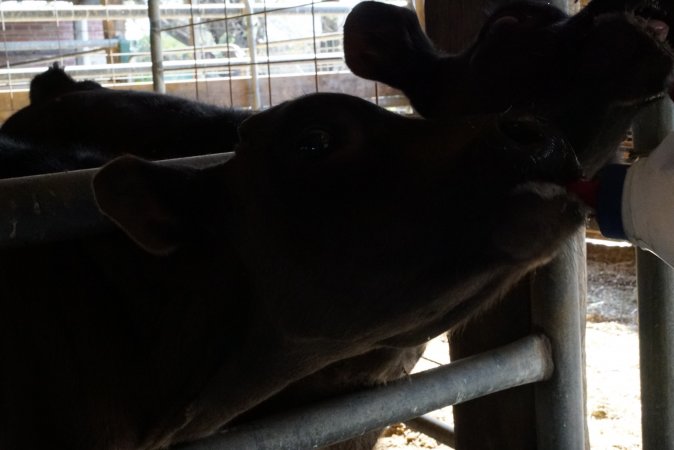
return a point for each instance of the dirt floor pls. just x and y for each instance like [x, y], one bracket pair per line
[614, 415]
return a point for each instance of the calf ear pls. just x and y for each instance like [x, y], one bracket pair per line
[145, 200]
[386, 43]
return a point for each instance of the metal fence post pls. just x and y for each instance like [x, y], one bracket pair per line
[252, 54]
[155, 46]
[558, 310]
[655, 281]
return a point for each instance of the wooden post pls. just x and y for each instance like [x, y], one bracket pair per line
[453, 25]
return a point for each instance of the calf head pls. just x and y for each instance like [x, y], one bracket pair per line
[344, 214]
[588, 74]
[352, 229]
[55, 82]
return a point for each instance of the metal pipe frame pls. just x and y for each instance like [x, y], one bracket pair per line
[252, 54]
[432, 427]
[524, 361]
[655, 291]
[16, 12]
[156, 56]
[558, 310]
[94, 70]
[60, 206]
[27, 46]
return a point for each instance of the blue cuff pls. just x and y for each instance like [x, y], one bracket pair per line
[609, 200]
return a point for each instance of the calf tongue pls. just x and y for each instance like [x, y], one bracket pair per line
[586, 190]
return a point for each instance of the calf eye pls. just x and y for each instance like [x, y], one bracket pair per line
[314, 143]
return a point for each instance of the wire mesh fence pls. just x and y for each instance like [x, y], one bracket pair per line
[246, 54]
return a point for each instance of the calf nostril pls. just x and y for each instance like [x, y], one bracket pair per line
[525, 132]
[659, 29]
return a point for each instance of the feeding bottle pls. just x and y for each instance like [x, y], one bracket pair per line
[636, 202]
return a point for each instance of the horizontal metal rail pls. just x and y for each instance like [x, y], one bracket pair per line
[432, 427]
[525, 361]
[51, 11]
[100, 70]
[25, 46]
[332, 55]
[58, 206]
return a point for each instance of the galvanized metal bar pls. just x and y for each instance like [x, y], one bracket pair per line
[655, 290]
[143, 67]
[46, 208]
[524, 361]
[45, 12]
[655, 281]
[252, 54]
[156, 56]
[24, 46]
[558, 310]
[432, 427]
